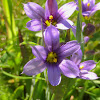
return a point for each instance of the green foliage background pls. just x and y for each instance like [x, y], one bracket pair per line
[15, 52]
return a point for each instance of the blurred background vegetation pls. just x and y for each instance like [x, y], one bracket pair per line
[15, 52]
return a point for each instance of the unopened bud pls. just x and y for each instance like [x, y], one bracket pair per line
[89, 30]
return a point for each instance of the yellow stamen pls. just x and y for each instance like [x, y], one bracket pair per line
[87, 18]
[47, 23]
[52, 57]
[81, 67]
[55, 60]
[88, 4]
[50, 21]
[54, 23]
[50, 17]
[55, 55]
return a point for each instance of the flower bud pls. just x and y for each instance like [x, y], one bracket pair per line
[89, 30]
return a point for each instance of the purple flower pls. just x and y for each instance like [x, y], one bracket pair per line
[51, 15]
[86, 38]
[89, 8]
[84, 67]
[53, 57]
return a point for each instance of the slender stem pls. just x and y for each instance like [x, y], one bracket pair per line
[79, 23]
[79, 34]
[20, 77]
[67, 36]
[32, 89]
[80, 13]
[95, 84]
[43, 42]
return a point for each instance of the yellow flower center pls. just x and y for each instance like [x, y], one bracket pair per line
[81, 67]
[87, 18]
[50, 21]
[88, 4]
[50, 17]
[47, 23]
[52, 57]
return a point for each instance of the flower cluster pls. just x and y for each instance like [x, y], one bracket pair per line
[84, 67]
[51, 15]
[89, 8]
[53, 55]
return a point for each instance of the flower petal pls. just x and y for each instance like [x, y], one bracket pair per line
[74, 30]
[88, 65]
[86, 13]
[83, 25]
[66, 10]
[77, 57]
[68, 49]
[34, 25]
[34, 11]
[54, 76]
[85, 1]
[92, 3]
[64, 24]
[88, 76]
[83, 7]
[69, 68]
[39, 51]
[51, 37]
[51, 8]
[86, 39]
[34, 67]
[95, 8]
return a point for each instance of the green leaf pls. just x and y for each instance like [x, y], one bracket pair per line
[28, 43]
[9, 19]
[2, 65]
[96, 92]
[18, 92]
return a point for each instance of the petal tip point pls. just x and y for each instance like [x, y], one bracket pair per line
[22, 73]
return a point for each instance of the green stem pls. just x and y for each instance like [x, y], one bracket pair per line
[79, 34]
[32, 89]
[67, 36]
[20, 77]
[95, 84]
[43, 42]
